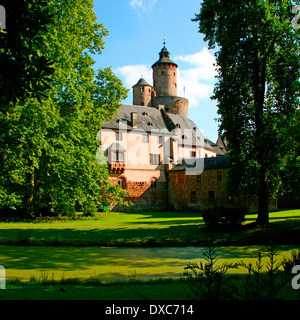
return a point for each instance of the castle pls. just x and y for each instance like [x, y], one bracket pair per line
[158, 154]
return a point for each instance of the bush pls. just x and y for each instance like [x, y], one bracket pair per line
[208, 280]
[224, 216]
[289, 263]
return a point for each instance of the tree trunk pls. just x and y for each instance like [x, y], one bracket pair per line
[259, 94]
[263, 202]
[30, 209]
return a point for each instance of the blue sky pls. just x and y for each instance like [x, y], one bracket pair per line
[136, 34]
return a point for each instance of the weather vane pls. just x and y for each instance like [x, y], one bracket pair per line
[165, 38]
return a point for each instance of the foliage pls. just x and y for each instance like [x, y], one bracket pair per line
[263, 286]
[25, 71]
[257, 91]
[224, 216]
[289, 263]
[49, 149]
[209, 281]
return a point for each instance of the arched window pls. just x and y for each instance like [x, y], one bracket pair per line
[122, 182]
[153, 182]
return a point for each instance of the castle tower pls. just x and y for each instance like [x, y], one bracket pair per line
[142, 93]
[165, 85]
[165, 75]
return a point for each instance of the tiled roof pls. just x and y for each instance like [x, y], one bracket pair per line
[149, 119]
[208, 163]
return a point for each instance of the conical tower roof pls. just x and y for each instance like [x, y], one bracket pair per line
[141, 83]
[164, 57]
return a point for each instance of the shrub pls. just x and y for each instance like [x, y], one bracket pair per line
[289, 263]
[224, 216]
[208, 280]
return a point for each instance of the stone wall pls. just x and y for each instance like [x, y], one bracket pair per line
[165, 79]
[173, 104]
[142, 95]
[190, 192]
[144, 198]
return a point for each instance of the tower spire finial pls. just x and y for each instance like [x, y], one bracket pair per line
[165, 38]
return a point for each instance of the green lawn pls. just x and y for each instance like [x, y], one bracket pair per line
[73, 250]
[150, 229]
[160, 289]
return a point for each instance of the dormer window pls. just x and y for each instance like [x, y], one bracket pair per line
[145, 113]
[122, 121]
[178, 125]
[150, 124]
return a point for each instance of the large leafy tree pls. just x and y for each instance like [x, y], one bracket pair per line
[257, 93]
[25, 72]
[49, 145]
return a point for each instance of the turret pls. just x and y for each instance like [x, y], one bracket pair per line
[165, 75]
[142, 93]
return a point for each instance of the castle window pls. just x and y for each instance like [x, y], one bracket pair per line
[184, 137]
[219, 176]
[154, 158]
[153, 182]
[193, 154]
[199, 178]
[211, 195]
[122, 182]
[193, 196]
[142, 89]
[160, 139]
[118, 156]
[145, 138]
[119, 136]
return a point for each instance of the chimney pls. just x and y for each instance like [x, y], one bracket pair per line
[134, 121]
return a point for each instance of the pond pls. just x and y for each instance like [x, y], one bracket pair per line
[43, 262]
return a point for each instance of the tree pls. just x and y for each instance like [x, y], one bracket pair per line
[25, 72]
[257, 91]
[49, 147]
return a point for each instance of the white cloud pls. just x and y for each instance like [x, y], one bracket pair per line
[204, 65]
[142, 6]
[197, 77]
[131, 74]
